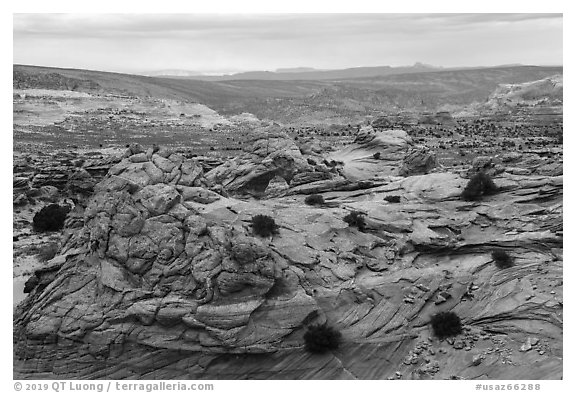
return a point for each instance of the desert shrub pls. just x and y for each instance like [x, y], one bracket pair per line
[376, 155]
[479, 185]
[47, 252]
[321, 339]
[264, 226]
[502, 259]
[50, 218]
[356, 219]
[205, 231]
[314, 199]
[446, 324]
[392, 198]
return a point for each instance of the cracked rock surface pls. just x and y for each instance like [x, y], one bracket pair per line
[166, 280]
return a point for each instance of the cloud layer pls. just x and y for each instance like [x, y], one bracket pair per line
[228, 42]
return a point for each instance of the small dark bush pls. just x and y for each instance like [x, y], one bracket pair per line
[356, 219]
[392, 198]
[205, 231]
[263, 225]
[446, 324]
[322, 338]
[47, 252]
[50, 218]
[314, 199]
[479, 185]
[502, 259]
[376, 155]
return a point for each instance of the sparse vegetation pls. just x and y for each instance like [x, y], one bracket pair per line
[264, 225]
[376, 155]
[502, 259]
[47, 252]
[322, 339]
[480, 184]
[205, 231]
[50, 218]
[314, 199]
[392, 198]
[446, 324]
[356, 219]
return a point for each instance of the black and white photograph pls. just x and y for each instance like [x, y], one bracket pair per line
[216, 196]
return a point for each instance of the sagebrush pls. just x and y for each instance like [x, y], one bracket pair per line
[322, 339]
[356, 219]
[479, 185]
[50, 218]
[264, 225]
[502, 259]
[314, 199]
[446, 324]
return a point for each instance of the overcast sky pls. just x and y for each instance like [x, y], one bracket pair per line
[232, 43]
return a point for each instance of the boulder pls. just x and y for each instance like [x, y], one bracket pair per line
[418, 161]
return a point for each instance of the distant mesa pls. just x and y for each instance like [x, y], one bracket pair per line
[548, 90]
[298, 69]
[310, 73]
[173, 73]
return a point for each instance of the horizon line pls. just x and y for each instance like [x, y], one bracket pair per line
[312, 69]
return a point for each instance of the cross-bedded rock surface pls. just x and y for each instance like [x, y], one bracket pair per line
[167, 280]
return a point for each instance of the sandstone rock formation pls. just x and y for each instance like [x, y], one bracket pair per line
[373, 154]
[418, 161]
[167, 280]
[276, 186]
[81, 182]
[270, 154]
[548, 90]
[443, 118]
